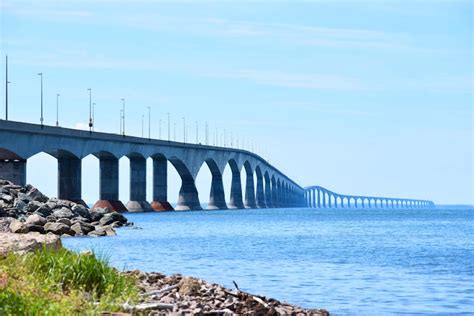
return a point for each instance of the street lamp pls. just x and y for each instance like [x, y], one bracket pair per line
[169, 134]
[197, 132]
[123, 117]
[6, 87]
[159, 132]
[90, 109]
[207, 135]
[57, 108]
[93, 116]
[184, 130]
[41, 118]
[142, 124]
[149, 122]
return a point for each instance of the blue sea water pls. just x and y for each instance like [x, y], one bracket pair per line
[346, 261]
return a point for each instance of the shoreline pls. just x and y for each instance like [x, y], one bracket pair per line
[31, 223]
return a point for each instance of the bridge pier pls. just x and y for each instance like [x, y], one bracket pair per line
[160, 185]
[260, 193]
[69, 179]
[13, 170]
[188, 195]
[138, 201]
[235, 201]
[249, 190]
[109, 185]
[217, 195]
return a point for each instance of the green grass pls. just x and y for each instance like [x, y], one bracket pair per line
[61, 282]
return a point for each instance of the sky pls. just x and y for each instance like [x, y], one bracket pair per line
[360, 97]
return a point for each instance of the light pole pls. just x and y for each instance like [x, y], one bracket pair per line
[41, 118]
[207, 135]
[159, 133]
[123, 117]
[90, 110]
[6, 87]
[142, 124]
[184, 130]
[169, 134]
[57, 108]
[197, 132]
[93, 116]
[149, 122]
[121, 111]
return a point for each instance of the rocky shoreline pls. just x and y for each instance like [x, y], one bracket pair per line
[30, 221]
[26, 209]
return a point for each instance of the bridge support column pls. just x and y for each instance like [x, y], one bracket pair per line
[188, 195]
[250, 191]
[235, 201]
[160, 185]
[268, 193]
[69, 179]
[260, 194]
[217, 196]
[138, 201]
[109, 185]
[13, 170]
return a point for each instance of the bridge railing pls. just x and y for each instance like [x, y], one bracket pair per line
[319, 197]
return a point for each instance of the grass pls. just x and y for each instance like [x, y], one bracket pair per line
[61, 282]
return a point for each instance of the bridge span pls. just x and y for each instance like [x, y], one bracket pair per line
[319, 197]
[20, 141]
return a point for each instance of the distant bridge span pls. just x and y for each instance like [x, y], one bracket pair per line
[319, 197]
[20, 141]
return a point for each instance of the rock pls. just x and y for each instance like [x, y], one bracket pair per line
[35, 195]
[36, 219]
[63, 212]
[95, 217]
[7, 197]
[58, 229]
[33, 206]
[109, 231]
[109, 218]
[2, 212]
[189, 286]
[27, 242]
[64, 221]
[25, 198]
[5, 224]
[44, 210]
[20, 205]
[18, 227]
[97, 232]
[80, 210]
[51, 218]
[35, 228]
[81, 228]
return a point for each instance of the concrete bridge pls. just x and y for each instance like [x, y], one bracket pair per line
[319, 197]
[20, 141]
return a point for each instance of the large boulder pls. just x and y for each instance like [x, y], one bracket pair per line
[36, 195]
[112, 217]
[58, 229]
[36, 219]
[18, 227]
[34, 228]
[80, 210]
[27, 242]
[33, 206]
[81, 228]
[44, 210]
[63, 212]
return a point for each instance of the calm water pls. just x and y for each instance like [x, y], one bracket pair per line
[347, 261]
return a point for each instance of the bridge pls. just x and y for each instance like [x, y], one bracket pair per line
[319, 197]
[20, 141]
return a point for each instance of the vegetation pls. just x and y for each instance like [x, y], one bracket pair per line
[61, 282]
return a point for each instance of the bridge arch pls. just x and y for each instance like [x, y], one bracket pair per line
[188, 198]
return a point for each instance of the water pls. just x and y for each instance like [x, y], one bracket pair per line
[347, 261]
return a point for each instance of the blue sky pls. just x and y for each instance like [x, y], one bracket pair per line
[366, 97]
